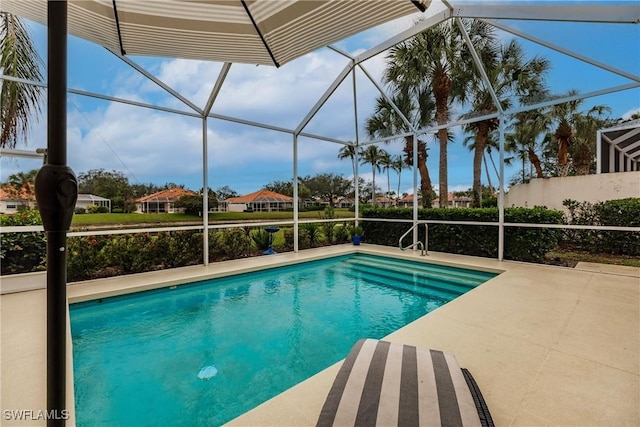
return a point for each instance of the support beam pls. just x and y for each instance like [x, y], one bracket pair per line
[205, 192]
[296, 222]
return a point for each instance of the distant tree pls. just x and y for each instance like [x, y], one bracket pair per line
[373, 156]
[19, 102]
[140, 190]
[328, 186]
[398, 164]
[281, 187]
[20, 186]
[223, 193]
[193, 204]
[349, 152]
[111, 185]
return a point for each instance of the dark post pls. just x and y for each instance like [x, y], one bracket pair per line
[56, 194]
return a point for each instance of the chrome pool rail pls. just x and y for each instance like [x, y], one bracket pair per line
[418, 243]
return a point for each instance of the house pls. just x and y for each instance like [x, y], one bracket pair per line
[454, 201]
[86, 200]
[163, 201]
[12, 201]
[341, 202]
[384, 201]
[260, 201]
[407, 201]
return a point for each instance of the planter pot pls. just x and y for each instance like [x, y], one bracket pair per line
[356, 240]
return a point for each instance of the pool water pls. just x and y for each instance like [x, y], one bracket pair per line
[204, 353]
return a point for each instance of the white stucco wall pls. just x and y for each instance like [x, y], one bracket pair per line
[550, 192]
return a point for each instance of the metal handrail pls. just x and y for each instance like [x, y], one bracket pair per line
[423, 249]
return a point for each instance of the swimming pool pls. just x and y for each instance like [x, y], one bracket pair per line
[204, 353]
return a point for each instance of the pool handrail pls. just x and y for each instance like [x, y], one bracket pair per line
[419, 244]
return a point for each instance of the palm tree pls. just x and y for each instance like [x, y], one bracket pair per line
[397, 164]
[576, 126]
[349, 152]
[21, 186]
[587, 126]
[387, 122]
[372, 155]
[385, 162]
[18, 101]
[528, 127]
[438, 60]
[510, 75]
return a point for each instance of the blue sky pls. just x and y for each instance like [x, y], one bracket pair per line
[151, 146]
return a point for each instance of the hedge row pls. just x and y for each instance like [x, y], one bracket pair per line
[521, 244]
[100, 256]
[621, 213]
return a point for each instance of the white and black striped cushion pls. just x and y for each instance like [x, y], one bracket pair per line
[387, 384]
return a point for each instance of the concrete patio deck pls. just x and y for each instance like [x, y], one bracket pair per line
[547, 345]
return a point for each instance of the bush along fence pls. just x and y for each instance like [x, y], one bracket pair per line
[99, 256]
[520, 244]
[622, 213]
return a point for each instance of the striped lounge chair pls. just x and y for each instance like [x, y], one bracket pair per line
[387, 384]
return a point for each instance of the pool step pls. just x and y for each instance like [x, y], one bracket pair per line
[463, 275]
[455, 279]
[410, 281]
[401, 285]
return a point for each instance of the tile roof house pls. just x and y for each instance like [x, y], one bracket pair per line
[12, 201]
[454, 201]
[163, 201]
[407, 201]
[260, 201]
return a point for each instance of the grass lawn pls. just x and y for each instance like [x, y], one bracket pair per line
[83, 220]
[571, 258]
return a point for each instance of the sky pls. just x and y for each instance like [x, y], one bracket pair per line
[150, 146]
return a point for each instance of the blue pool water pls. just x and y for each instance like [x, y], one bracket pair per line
[204, 353]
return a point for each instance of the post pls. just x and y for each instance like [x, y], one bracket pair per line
[296, 199]
[501, 193]
[205, 194]
[56, 193]
[415, 191]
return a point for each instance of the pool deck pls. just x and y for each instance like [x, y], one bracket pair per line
[547, 345]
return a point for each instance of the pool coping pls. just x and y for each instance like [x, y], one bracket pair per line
[526, 357]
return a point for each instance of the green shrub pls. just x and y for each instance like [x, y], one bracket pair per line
[523, 244]
[22, 252]
[84, 260]
[234, 243]
[102, 209]
[80, 211]
[341, 233]
[116, 210]
[260, 239]
[309, 234]
[620, 213]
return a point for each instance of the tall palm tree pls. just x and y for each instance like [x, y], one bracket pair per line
[438, 60]
[385, 162]
[398, 164]
[510, 76]
[349, 152]
[19, 102]
[525, 137]
[573, 125]
[387, 122]
[372, 155]
[587, 126]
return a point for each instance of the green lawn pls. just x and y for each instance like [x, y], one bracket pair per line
[160, 218]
